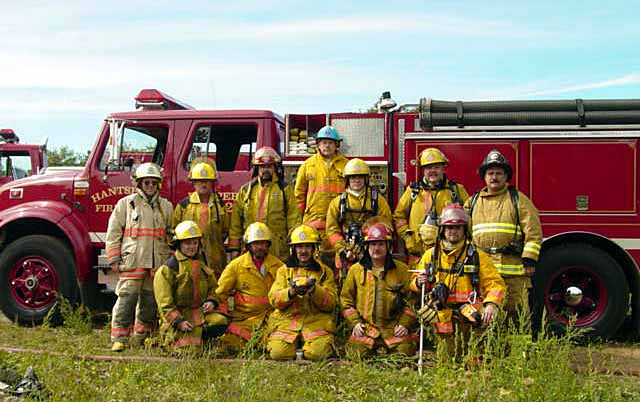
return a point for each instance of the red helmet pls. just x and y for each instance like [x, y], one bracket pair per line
[454, 215]
[378, 232]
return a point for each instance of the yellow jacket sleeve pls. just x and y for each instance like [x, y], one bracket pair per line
[492, 286]
[237, 215]
[301, 187]
[294, 217]
[348, 296]
[163, 284]
[115, 229]
[279, 292]
[334, 230]
[531, 228]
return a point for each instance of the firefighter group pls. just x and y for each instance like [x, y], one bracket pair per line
[309, 255]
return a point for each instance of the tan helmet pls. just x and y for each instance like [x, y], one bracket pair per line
[266, 156]
[431, 156]
[257, 231]
[148, 169]
[202, 171]
[187, 230]
[356, 167]
[304, 234]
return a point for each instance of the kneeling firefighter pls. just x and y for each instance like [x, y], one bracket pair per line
[184, 289]
[374, 299]
[464, 287]
[304, 297]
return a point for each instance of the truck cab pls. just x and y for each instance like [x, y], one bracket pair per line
[19, 160]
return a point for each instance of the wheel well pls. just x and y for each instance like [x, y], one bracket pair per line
[622, 257]
[30, 226]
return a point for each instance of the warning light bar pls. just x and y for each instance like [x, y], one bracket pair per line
[152, 99]
[9, 136]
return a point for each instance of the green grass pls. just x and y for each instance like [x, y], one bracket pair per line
[530, 372]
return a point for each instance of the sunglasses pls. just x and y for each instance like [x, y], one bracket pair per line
[149, 183]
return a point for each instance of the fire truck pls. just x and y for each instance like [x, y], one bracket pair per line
[577, 160]
[19, 160]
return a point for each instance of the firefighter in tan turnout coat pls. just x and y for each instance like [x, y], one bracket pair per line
[136, 244]
[506, 225]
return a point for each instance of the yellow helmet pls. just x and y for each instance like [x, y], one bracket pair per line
[187, 230]
[430, 156]
[257, 231]
[304, 234]
[356, 167]
[148, 169]
[202, 171]
[266, 156]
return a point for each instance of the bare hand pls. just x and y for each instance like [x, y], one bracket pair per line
[421, 279]
[208, 307]
[489, 313]
[400, 331]
[115, 267]
[185, 326]
[234, 254]
[358, 330]
[350, 256]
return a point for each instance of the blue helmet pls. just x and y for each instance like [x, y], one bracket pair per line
[329, 133]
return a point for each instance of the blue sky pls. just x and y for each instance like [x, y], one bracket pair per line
[65, 65]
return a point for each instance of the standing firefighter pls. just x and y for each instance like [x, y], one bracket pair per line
[205, 207]
[304, 297]
[248, 279]
[505, 224]
[184, 288]
[136, 244]
[464, 288]
[374, 299]
[318, 181]
[349, 212]
[268, 199]
[423, 202]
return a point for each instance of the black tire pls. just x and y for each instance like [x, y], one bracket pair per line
[597, 274]
[45, 251]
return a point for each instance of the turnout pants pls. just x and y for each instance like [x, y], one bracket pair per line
[135, 310]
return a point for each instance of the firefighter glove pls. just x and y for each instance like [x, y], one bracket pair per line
[440, 294]
[429, 312]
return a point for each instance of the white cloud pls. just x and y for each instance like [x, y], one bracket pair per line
[629, 79]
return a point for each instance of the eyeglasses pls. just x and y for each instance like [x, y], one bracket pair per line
[149, 182]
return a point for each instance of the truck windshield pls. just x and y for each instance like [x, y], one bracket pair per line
[139, 145]
[16, 165]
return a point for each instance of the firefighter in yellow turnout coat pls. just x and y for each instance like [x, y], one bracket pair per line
[136, 244]
[423, 202]
[268, 199]
[304, 297]
[464, 286]
[248, 279]
[205, 207]
[318, 181]
[184, 289]
[351, 210]
[374, 299]
[505, 224]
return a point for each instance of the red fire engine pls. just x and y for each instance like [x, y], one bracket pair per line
[577, 160]
[19, 160]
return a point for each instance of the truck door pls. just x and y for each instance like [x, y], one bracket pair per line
[112, 170]
[230, 144]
